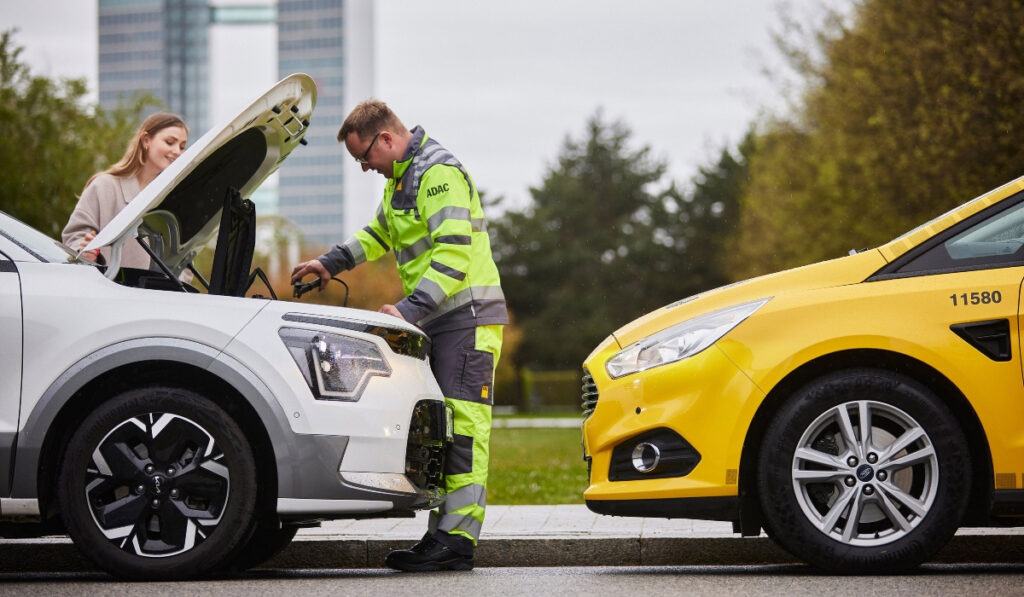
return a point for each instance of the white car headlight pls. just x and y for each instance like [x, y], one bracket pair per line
[679, 341]
[336, 367]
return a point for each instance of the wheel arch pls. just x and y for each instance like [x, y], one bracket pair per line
[154, 361]
[981, 458]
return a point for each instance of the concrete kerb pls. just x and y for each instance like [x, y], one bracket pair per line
[322, 554]
[316, 549]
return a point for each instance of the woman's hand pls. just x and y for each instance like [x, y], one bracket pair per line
[85, 240]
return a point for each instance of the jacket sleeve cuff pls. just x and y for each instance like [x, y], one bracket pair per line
[415, 307]
[338, 259]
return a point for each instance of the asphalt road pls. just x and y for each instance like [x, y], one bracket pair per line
[649, 581]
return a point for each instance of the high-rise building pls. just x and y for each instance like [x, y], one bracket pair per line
[332, 41]
[156, 46]
[163, 47]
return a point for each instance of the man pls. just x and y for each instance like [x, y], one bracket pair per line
[432, 219]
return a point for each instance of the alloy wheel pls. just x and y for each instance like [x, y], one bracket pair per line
[156, 485]
[865, 473]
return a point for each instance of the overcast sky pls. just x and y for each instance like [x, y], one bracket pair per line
[507, 81]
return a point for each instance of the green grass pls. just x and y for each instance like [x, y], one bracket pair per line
[536, 467]
[554, 414]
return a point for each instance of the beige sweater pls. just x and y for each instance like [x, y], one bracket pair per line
[99, 203]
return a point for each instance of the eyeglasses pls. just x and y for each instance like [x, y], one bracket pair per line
[362, 160]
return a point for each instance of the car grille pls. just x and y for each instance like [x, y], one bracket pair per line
[589, 389]
[424, 455]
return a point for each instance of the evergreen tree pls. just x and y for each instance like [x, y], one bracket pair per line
[607, 239]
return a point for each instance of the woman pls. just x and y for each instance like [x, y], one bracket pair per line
[157, 143]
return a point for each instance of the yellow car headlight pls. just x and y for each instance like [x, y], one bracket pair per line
[679, 341]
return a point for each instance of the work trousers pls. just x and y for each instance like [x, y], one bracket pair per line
[463, 362]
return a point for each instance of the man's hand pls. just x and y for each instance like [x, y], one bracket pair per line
[312, 267]
[391, 310]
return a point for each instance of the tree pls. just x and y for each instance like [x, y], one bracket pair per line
[605, 240]
[909, 109]
[52, 140]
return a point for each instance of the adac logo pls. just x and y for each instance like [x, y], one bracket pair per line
[441, 188]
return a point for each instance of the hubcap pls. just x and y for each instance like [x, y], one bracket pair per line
[157, 485]
[858, 503]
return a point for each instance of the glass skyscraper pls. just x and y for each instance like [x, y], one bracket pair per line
[159, 46]
[163, 47]
[330, 40]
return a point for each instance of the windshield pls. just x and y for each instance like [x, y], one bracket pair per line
[35, 242]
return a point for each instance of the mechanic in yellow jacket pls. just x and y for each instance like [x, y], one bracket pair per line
[432, 219]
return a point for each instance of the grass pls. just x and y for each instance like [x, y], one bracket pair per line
[540, 466]
[554, 414]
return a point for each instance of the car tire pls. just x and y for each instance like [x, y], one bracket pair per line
[849, 503]
[268, 539]
[158, 483]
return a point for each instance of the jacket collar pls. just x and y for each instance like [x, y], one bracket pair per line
[129, 186]
[419, 137]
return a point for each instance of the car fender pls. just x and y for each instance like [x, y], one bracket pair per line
[38, 425]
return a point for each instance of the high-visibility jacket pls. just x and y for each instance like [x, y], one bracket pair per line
[431, 217]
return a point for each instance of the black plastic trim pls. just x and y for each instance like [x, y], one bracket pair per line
[426, 449]
[401, 341]
[706, 508]
[7, 266]
[991, 338]
[677, 457]
[1008, 502]
[8, 441]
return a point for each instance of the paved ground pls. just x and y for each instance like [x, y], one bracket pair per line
[533, 536]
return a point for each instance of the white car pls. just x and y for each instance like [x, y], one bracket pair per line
[173, 432]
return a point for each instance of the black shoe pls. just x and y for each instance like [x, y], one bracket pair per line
[429, 555]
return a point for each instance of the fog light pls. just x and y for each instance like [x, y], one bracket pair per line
[654, 454]
[646, 457]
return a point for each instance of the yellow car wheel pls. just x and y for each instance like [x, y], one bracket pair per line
[863, 471]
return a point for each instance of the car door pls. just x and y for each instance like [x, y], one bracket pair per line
[10, 366]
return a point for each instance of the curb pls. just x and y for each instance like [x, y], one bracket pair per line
[60, 555]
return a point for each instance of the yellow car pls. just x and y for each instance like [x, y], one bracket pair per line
[859, 410]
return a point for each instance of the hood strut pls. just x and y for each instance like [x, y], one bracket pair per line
[163, 266]
[236, 242]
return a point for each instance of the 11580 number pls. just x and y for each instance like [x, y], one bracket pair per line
[976, 298]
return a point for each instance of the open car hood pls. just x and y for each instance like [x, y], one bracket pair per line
[179, 211]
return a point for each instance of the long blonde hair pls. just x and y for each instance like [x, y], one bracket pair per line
[135, 156]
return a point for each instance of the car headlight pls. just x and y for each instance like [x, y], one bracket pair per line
[335, 367]
[679, 341]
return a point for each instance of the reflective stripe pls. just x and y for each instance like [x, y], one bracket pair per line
[470, 495]
[451, 272]
[381, 219]
[414, 250]
[455, 239]
[427, 154]
[432, 289]
[370, 231]
[450, 212]
[466, 524]
[464, 297]
[429, 150]
[356, 248]
[479, 224]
